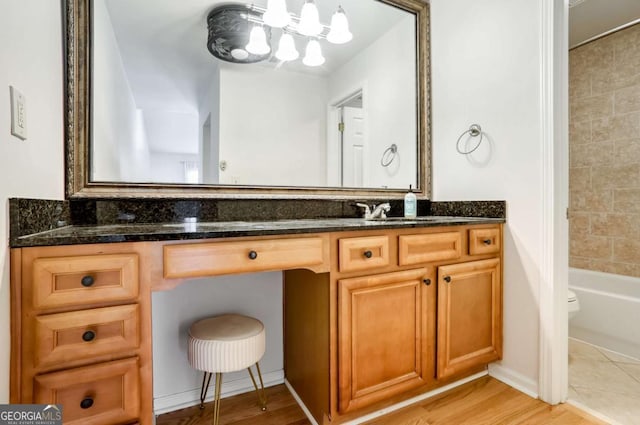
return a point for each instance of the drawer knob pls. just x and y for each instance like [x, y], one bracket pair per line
[487, 241]
[427, 282]
[86, 403]
[87, 281]
[253, 255]
[447, 279]
[368, 254]
[88, 336]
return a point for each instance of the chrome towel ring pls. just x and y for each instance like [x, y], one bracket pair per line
[389, 155]
[474, 131]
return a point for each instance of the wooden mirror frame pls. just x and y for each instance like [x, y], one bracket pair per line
[77, 55]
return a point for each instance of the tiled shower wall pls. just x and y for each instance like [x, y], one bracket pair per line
[604, 138]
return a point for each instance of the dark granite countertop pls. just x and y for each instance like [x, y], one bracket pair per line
[87, 234]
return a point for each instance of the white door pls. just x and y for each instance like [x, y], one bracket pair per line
[353, 145]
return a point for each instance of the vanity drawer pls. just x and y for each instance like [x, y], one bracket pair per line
[417, 249]
[85, 334]
[208, 259]
[105, 393]
[363, 253]
[75, 281]
[484, 241]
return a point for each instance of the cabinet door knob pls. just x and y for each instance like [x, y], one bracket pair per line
[253, 255]
[487, 241]
[427, 282]
[87, 281]
[368, 254]
[86, 403]
[447, 279]
[88, 336]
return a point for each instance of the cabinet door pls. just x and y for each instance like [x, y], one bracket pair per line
[386, 327]
[469, 315]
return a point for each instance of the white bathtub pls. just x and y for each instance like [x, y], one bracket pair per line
[609, 313]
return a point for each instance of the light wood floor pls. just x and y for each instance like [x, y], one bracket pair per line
[484, 401]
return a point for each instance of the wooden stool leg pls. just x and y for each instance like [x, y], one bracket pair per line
[205, 387]
[216, 401]
[262, 398]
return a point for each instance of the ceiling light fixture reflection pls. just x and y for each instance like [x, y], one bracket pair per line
[339, 32]
[309, 20]
[313, 54]
[276, 15]
[258, 41]
[287, 48]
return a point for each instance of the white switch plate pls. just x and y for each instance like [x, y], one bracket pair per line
[18, 113]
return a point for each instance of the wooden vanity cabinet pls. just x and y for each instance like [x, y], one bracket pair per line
[423, 310]
[81, 331]
[371, 317]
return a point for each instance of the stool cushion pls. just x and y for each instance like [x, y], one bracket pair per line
[226, 343]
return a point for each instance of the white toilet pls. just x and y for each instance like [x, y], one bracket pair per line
[574, 305]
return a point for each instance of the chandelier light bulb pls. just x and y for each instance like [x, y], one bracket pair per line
[258, 41]
[276, 15]
[287, 48]
[339, 32]
[309, 20]
[313, 54]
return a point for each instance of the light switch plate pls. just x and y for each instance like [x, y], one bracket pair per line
[18, 113]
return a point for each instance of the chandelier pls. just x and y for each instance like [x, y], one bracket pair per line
[242, 33]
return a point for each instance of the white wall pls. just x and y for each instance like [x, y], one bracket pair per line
[286, 130]
[168, 167]
[31, 60]
[209, 108]
[386, 69]
[256, 295]
[116, 121]
[486, 70]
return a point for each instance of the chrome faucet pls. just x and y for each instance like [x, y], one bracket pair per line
[379, 211]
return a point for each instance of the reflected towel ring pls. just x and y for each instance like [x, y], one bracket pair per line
[389, 155]
[474, 131]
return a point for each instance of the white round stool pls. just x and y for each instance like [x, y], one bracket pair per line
[226, 343]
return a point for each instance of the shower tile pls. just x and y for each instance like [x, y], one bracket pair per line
[591, 107]
[591, 154]
[580, 132]
[627, 99]
[626, 151]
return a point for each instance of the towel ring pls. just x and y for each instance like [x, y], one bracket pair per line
[389, 155]
[474, 131]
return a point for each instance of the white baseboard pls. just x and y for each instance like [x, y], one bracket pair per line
[392, 408]
[514, 379]
[192, 397]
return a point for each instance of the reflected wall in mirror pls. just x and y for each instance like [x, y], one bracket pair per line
[162, 111]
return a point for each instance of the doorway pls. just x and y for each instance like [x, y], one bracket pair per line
[349, 136]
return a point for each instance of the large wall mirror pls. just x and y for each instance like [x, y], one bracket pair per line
[213, 98]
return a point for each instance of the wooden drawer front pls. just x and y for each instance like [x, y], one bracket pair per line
[363, 253]
[208, 259]
[105, 393]
[418, 249]
[85, 334]
[484, 241]
[71, 281]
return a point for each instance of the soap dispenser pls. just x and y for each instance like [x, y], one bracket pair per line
[410, 204]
